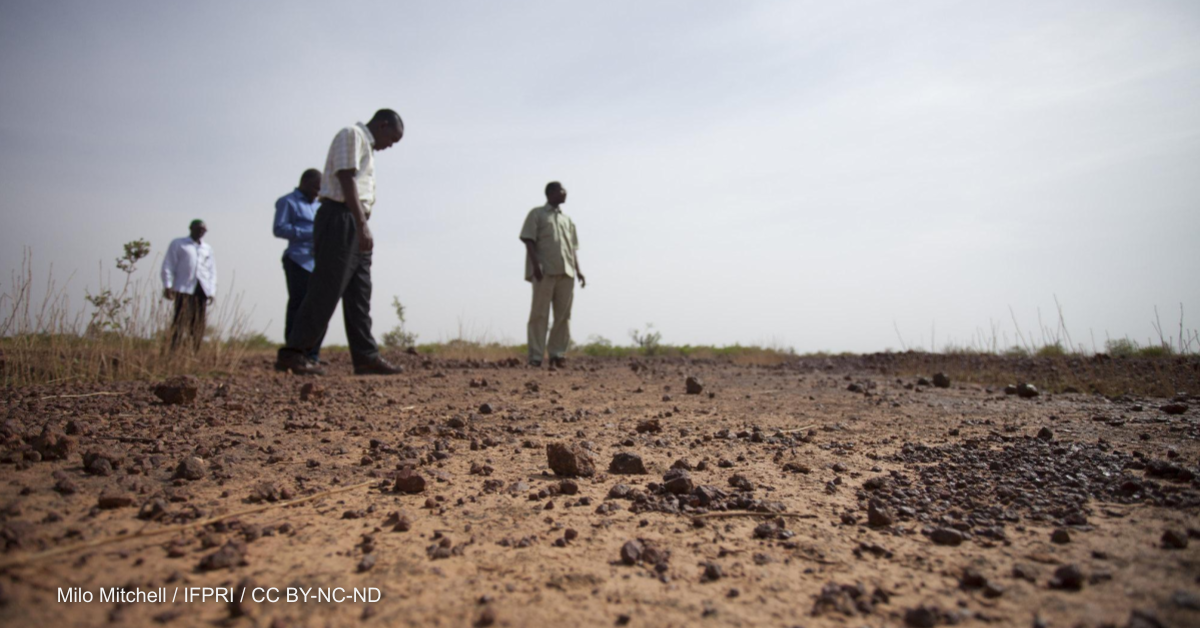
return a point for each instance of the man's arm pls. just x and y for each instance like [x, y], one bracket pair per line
[168, 272]
[582, 279]
[346, 178]
[284, 227]
[531, 252]
[212, 269]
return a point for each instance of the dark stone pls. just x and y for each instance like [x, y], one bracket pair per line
[946, 536]
[53, 444]
[1067, 578]
[1060, 536]
[1174, 408]
[626, 463]
[649, 426]
[1026, 391]
[178, 390]
[922, 617]
[189, 468]
[409, 481]
[713, 572]
[631, 552]
[678, 482]
[486, 409]
[941, 380]
[1045, 434]
[230, 555]
[878, 515]
[693, 385]
[109, 501]
[1174, 539]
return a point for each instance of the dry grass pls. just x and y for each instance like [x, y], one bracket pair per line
[44, 339]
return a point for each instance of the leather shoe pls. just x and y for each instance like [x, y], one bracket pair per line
[297, 364]
[378, 367]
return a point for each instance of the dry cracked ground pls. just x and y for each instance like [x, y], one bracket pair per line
[815, 493]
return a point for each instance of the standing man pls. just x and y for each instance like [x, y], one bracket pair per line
[189, 276]
[342, 246]
[551, 263]
[294, 215]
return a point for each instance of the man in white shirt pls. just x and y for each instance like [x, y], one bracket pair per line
[342, 251]
[189, 276]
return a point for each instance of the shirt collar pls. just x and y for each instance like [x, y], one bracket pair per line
[552, 208]
[367, 132]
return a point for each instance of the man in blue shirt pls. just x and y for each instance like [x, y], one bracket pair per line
[294, 215]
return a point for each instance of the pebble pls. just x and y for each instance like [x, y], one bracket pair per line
[625, 463]
[570, 460]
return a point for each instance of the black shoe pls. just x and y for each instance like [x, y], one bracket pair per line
[298, 364]
[535, 365]
[558, 362]
[378, 367]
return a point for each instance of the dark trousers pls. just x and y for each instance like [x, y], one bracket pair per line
[297, 285]
[190, 315]
[342, 273]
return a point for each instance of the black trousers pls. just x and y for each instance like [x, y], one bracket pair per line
[191, 312]
[297, 285]
[342, 273]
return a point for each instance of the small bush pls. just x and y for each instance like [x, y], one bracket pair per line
[1055, 350]
[648, 341]
[398, 338]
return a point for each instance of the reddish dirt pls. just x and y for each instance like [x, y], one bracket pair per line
[1114, 474]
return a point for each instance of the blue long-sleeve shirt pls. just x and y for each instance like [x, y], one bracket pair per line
[294, 223]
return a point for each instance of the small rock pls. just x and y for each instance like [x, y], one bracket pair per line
[570, 460]
[1060, 536]
[678, 482]
[189, 468]
[1174, 408]
[486, 409]
[693, 385]
[1067, 578]
[311, 392]
[53, 444]
[946, 536]
[941, 380]
[878, 515]
[1026, 391]
[631, 552]
[649, 426]
[366, 563]
[109, 501]
[409, 481]
[625, 463]
[1045, 434]
[922, 617]
[230, 555]
[713, 572]
[178, 390]
[1174, 539]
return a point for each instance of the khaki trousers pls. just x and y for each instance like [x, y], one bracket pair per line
[559, 291]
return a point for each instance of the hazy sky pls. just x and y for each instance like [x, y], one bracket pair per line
[813, 174]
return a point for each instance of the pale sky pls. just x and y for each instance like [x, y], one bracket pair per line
[810, 174]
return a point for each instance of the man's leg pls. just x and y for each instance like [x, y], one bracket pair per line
[356, 311]
[199, 320]
[177, 321]
[539, 318]
[297, 285]
[335, 246]
[560, 334]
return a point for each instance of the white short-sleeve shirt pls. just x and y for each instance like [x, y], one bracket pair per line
[352, 149]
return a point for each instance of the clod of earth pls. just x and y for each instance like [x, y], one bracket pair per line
[311, 392]
[178, 390]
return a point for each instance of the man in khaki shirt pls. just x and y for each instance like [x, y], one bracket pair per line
[551, 264]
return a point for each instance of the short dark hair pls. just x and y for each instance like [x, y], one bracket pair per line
[387, 116]
[311, 173]
[552, 186]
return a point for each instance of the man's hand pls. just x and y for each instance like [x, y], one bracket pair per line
[211, 300]
[168, 294]
[366, 241]
[582, 281]
[537, 271]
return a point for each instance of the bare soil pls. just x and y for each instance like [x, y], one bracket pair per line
[918, 505]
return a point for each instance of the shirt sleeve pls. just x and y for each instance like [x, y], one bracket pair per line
[212, 271]
[574, 237]
[283, 220]
[530, 230]
[168, 267]
[345, 151]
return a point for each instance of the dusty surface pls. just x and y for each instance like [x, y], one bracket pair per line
[487, 537]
